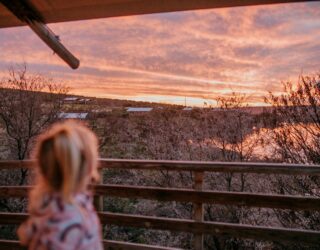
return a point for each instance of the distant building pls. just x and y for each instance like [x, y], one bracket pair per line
[187, 109]
[135, 109]
[84, 100]
[70, 99]
[102, 110]
[80, 116]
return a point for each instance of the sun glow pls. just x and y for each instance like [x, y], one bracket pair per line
[167, 57]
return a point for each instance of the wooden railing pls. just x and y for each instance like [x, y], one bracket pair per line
[197, 196]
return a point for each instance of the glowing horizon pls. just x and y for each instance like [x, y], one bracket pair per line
[167, 57]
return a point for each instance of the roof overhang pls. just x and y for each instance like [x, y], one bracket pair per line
[38, 13]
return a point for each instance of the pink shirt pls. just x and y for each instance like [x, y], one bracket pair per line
[60, 226]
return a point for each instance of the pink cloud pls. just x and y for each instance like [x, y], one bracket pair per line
[200, 54]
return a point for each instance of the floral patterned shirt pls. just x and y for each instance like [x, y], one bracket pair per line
[61, 226]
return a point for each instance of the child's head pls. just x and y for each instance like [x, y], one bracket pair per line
[67, 158]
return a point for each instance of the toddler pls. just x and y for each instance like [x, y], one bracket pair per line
[62, 216]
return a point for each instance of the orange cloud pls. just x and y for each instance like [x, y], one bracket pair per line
[198, 54]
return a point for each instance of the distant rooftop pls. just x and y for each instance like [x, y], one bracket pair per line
[187, 109]
[70, 99]
[73, 115]
[135, 109]
[85, 100]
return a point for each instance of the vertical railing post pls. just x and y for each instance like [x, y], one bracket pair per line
[198, 209]
[98, 199]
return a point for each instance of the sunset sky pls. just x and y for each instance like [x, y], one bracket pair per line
[166, 57]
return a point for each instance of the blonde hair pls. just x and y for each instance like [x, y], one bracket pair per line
[66, 157]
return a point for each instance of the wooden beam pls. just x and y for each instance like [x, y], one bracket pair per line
[14, 191]
[98, 199]
[11, 245]
[206, 166]
[198, 213]
[12, 218]
[108, 245]
[214, 166]
[214, 228]
[119, 245]
[306, 237]
[16, 164]
[211, 197]
[190, 195]
[26, 12]
[116, 8]
[54, 11]
[47, 36]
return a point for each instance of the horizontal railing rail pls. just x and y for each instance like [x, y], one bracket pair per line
[191, 226]
[108, 244]
[200, 166]
[197, 196]
[223, 167]
[190, 195]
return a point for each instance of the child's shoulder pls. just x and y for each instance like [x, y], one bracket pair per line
[58, 216]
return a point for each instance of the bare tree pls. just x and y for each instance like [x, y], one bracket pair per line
[228, 131]
[232, 126]
[28, 104]
[175, 134]
[296, 139]
[297, 113]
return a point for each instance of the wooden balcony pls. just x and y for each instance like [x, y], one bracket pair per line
[197, 195]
